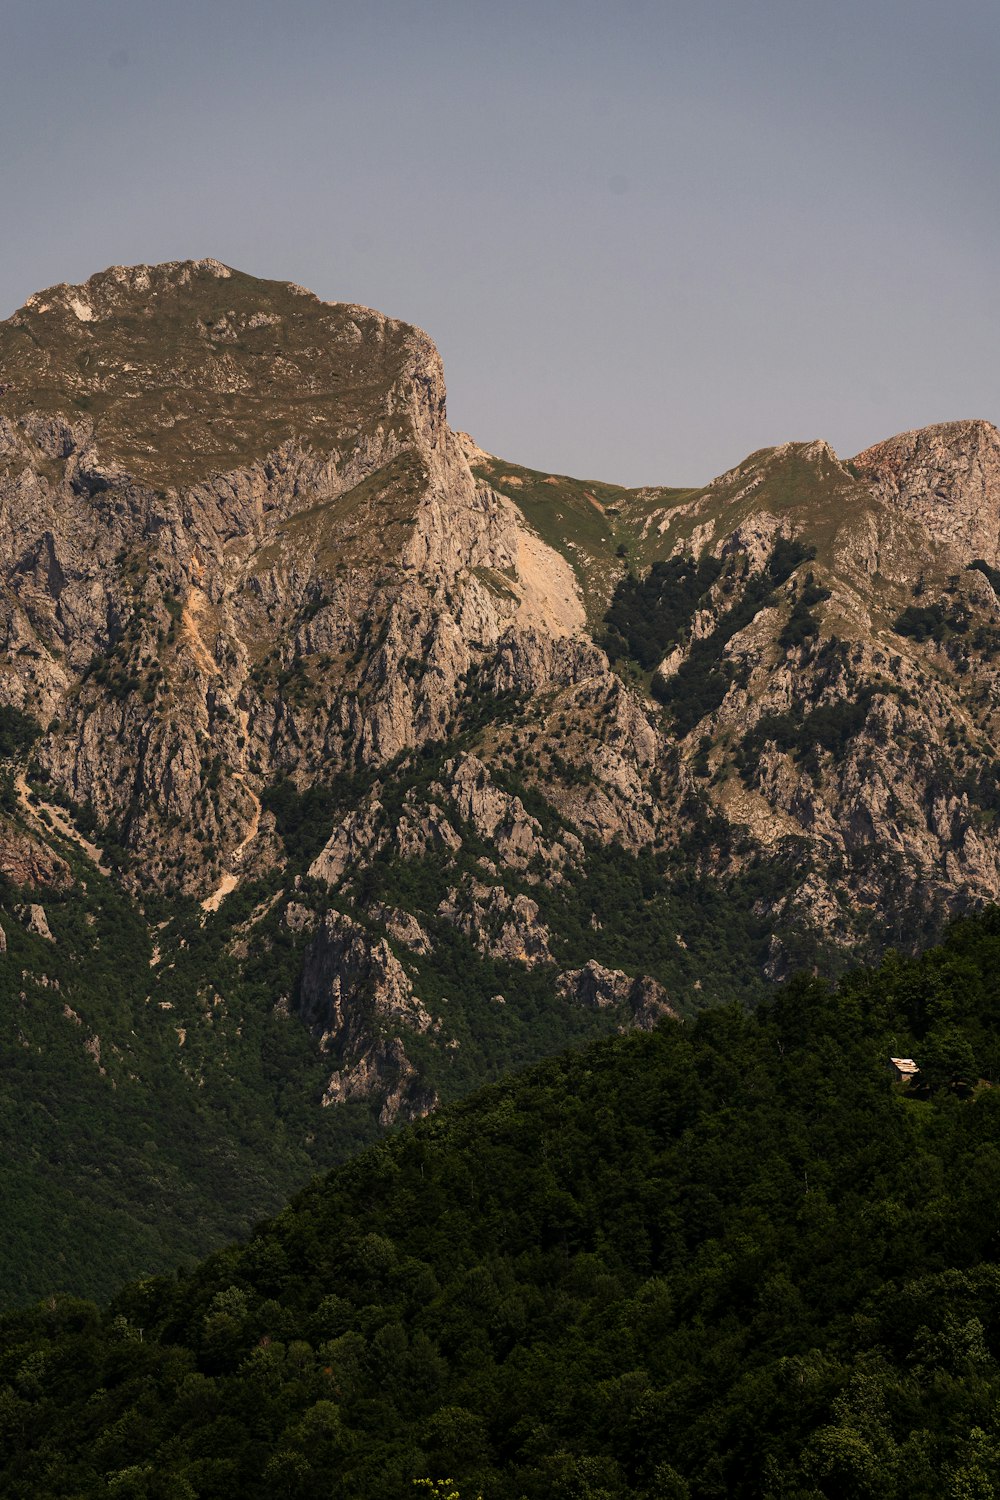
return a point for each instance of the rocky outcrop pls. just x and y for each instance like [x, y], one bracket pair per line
[383, 1073]
[27, 862]
[946, 479]
[403, 928]
[500, 818]
[505, 926]
[357, 1000]
[298, 918]
[599, 988]
[34, 918]
[352, 843]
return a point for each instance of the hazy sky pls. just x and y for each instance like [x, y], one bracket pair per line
[647, 238]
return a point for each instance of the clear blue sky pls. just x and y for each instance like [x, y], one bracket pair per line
[647, 237]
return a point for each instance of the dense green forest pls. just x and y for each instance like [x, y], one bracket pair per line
[729, 1258]
[115, 1159]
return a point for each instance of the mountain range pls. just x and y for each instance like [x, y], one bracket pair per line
[346, 766]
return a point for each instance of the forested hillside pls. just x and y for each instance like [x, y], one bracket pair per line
[727, 1258]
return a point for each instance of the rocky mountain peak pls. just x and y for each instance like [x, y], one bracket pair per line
[211, 486]
[117, 287]
[945, 477]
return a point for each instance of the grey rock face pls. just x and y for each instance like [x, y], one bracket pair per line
[404, 928]
[947, 479]
[29, 863]
[243, 553]
[504, 926]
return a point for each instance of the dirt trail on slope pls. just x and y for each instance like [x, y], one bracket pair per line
[191, 610]
[254, 829]
[231, 878]
[60, 822]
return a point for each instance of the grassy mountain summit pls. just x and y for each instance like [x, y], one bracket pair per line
[346, 766]
[183, 371]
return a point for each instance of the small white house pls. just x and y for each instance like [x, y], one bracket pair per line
[903, 1069]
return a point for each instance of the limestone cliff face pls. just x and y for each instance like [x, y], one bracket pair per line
[204, 586]
[502, 925]
[946, 479]
[28, 862]
[248, 568]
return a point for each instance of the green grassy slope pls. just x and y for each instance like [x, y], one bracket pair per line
[594, 526]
